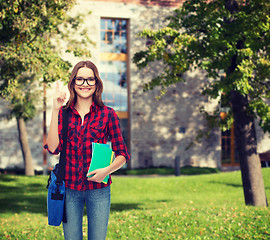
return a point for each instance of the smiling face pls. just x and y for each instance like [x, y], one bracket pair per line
[85, 91]
[85, 70]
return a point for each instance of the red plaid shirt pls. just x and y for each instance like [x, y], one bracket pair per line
[99, 125]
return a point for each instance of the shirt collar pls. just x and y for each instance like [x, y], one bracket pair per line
[93, 107]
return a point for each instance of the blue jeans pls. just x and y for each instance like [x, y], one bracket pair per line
[98, 209]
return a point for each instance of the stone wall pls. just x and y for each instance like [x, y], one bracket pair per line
[164, 129]
[159, 130]
[10, 150]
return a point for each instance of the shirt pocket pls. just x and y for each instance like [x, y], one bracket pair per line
[97, 131]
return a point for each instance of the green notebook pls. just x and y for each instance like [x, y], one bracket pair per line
[102, 156]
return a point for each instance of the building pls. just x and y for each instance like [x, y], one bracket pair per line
[155, 131]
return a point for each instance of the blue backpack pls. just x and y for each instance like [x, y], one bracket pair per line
[56, 184]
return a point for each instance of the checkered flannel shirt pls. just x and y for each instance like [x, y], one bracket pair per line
[99, 125]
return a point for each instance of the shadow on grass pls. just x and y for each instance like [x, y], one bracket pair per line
[18, 195]
[29, 195]
[6, 178]
[119, 207]
[30, 198]
[227, 184]
[232, 184]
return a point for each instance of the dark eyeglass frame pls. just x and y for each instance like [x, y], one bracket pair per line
[85, 80]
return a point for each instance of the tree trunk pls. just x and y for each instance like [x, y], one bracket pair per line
[245, 134]
[27, 157]
[246, 142]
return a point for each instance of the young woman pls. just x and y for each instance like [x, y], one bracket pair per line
[89, 121]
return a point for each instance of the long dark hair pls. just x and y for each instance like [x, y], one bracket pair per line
[99, 85]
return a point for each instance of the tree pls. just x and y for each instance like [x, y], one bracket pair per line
[230, 40]
[32, 33]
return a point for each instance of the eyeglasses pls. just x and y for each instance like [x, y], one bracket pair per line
[79, 81]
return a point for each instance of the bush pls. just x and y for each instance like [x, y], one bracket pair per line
[187, 170]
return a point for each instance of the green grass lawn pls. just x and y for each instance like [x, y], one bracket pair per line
[188, 207]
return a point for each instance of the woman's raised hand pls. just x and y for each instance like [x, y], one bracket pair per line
[59, 98]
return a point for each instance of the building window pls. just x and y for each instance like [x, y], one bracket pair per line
[114, 36]
[229, 156]
[114, 69]
[229, 153]
[114, 63]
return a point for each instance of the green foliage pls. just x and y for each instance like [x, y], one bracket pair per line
[33, 35]
[23, 98]
[191, 207]
[206, 35]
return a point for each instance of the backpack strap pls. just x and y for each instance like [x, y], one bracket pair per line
[62, 161]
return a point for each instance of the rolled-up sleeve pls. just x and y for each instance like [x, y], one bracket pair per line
[115, 134]
[60, 127]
